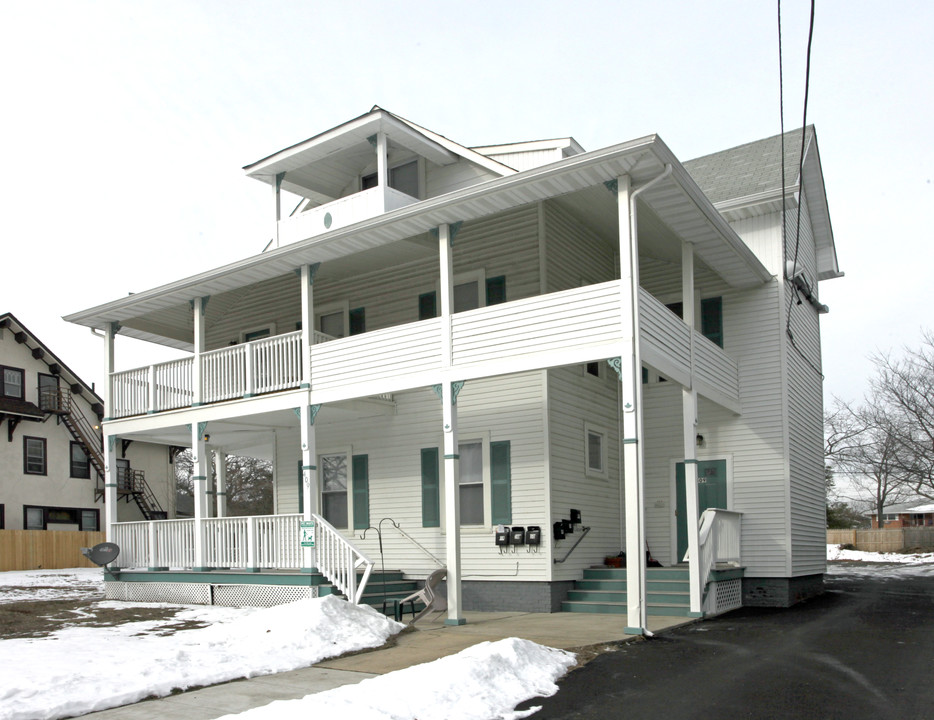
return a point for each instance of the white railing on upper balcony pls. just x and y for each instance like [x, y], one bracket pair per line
[261, 366]
[342, 212]
[551, 330]
[338, 560]
[266, 365]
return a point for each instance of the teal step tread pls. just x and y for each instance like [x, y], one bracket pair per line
[669, 598]
[620, 585]
[620, 609]
[602, 573]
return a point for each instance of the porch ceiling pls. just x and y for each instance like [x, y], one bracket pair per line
[252, 435]
[677, 202]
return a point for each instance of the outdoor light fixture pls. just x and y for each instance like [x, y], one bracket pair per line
[700, 440]
[207, 438]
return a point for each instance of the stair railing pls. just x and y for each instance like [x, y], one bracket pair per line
[573, 547]
[338, 560]
[719, 541]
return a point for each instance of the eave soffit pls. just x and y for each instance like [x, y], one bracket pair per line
[677, 201]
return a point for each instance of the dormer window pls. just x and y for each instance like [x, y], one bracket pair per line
[403, 178]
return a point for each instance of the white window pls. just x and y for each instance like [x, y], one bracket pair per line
[334, 500]
[257, 333]
[471, 485]
[332, 324]
[595, 451]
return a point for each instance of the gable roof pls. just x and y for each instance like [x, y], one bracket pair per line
[335, 154]
[42, 353]
[746, 180]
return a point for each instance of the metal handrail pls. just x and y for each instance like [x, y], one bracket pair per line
[583, 535]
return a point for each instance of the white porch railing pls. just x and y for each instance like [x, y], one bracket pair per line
[562, 328]
[719, 540]
[342, 212]
[265, 542]
[337, 559]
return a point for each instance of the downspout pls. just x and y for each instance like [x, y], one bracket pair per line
[637, 392]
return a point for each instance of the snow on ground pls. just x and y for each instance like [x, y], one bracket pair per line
[78, 670]
[74, 584]
[887, 565]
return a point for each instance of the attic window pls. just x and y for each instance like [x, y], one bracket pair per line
[403, 178]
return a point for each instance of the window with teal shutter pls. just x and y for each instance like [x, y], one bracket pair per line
[301, 488]
[500, 483]
[361, 492]
[431, 488]
[712, 319]
[496, 290]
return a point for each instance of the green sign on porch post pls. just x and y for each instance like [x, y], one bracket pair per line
[308, 533]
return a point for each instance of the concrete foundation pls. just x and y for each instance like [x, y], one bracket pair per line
[780, 592]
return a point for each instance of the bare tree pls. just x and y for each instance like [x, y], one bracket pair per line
[862, 445]
[905, 385]
[249, 483]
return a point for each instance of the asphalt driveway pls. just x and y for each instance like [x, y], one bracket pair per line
[865, 649]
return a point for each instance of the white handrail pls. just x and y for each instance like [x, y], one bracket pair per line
[719, 540]
[338, 559]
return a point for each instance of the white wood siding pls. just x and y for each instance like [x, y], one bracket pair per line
[504, 408]
[574, 255]
[576, 398]
[805, 411]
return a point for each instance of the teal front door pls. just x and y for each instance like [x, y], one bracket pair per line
[711, 493]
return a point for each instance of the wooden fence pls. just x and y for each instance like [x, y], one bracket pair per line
[892, 540]
[45, 549]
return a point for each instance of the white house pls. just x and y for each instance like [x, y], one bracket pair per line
[440, 342]
[51, 457]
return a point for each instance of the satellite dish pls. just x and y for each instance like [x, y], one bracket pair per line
[102, 553]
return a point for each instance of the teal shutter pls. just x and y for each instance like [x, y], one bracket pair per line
[500, 483]
[427, 305]
[431, 488]
[712, 319]
[361, 492]
[301, 488]
[496, 290]
[357, 318]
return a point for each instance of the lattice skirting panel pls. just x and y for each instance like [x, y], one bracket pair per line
[207, 594]
[723, 596]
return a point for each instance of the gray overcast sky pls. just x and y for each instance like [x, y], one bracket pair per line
[126, 125]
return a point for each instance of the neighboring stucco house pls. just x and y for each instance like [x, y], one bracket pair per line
[592, 347]
[51, 457]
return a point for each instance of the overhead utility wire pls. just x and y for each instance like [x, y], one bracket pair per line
[807, 77]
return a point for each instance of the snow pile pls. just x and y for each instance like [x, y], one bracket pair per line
[836, 552]
[484, 681]
[83, 669]
[73, 584]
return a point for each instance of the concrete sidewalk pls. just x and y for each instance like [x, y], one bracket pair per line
[427, 642]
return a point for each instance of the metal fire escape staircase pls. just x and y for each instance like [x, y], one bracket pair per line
[131, 484]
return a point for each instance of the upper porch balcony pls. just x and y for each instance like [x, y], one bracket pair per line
[561, 328]
[342, 212]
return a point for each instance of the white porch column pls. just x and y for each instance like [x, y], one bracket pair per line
[277, 202]
[382, 166]
[307, 414]
[452, 506]
[449, 427]
[689, 431]
[197, 307]
[110, 334]
[630, 372]
[110, 456]
[307, 278]
[110, 485]
[220, 469]
[199, 472]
